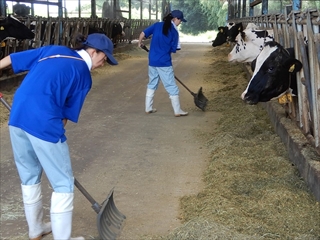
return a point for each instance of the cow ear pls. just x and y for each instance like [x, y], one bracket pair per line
[253, 65]
[293, 65]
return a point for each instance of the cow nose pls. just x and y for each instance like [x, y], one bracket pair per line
[249, 100]
[242, 95]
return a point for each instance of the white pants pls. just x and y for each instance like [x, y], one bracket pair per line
[33, 155]
[166, 75]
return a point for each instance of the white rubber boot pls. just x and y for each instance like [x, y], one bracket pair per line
[176, 106]
[32, 200]
[61, 216]
[149, 101]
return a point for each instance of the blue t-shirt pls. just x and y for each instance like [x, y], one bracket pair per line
[161, 46]
[54, 89]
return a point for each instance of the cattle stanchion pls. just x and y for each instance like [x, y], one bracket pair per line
[109, 218]
[199, 99]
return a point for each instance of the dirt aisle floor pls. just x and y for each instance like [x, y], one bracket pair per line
[151, 160]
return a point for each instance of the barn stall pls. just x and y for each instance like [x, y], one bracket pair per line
[289, 110]
[291, 27]
[297, 28]
[57, 25]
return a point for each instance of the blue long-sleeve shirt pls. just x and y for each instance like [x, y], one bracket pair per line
[54, 89]
[161, 46]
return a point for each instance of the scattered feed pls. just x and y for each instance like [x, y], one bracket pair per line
[252, 189]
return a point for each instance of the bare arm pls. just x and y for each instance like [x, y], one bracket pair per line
[5, 62]
[142, 35]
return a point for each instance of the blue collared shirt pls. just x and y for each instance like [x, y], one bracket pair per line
[54, 89]
[161, 46]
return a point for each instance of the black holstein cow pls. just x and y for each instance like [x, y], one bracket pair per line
[12, 27]
[227, 34]
[233, 30]
[21, 9]
[274, 72]
[44, 33]
[221, 37]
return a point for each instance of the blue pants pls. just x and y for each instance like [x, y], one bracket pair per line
[166, 75]
[33, 155]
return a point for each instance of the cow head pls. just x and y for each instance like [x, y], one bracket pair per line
[248, 45]
[252, 26]
[234, 29]
[12, 27]
[21, 9]
[122, 28]
[273, 74]
[221, 37]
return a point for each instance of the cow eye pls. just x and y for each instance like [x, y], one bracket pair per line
[270, 69]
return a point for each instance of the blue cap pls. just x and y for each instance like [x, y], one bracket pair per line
[178, 14]
[101, 42]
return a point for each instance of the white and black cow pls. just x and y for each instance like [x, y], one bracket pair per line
[274, 73]
[10, 27]
[117, 32]
[227, 34]
[230, 32]
[252, 26]
[248, 45]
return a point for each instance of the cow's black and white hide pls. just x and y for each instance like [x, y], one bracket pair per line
[13, 28]
[233, 30]
[274, 73]
[249, 43]
[117, 32]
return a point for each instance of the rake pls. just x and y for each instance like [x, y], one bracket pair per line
[109, 218]
[199, 99]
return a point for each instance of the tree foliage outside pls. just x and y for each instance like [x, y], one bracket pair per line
[202, 15]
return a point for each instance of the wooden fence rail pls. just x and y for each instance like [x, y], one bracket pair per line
[62, 31]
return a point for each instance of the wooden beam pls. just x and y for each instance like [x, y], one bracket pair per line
[256, 2]
[41, 2]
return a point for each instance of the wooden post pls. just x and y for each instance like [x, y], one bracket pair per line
[264, 9]
[3, 11]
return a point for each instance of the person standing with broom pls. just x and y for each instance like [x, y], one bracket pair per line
[52, 93]
[165, 40]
